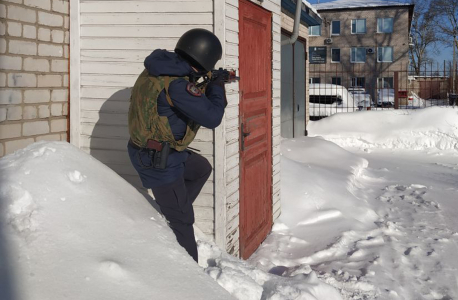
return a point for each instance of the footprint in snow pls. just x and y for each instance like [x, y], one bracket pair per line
[76, 176]
[20, 213]
[42, 151]
[112, 269]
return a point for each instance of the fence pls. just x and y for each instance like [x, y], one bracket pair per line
[345, 88]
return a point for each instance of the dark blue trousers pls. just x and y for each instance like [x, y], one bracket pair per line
[175, 200]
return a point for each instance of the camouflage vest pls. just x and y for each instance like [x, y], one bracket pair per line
[145, 122]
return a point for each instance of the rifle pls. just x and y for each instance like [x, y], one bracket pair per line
[227, 75]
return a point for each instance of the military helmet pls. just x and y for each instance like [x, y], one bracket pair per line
[200, 47]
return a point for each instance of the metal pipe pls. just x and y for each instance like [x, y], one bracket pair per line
[297, 19]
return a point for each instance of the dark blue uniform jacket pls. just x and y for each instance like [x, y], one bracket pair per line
[207, 110]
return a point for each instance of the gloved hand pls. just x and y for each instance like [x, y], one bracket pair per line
[219, 81]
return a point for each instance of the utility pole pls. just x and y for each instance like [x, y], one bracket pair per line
[454, 59]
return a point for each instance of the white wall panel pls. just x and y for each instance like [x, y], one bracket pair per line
[133, 6]
[138, 31]
[156, 18]
[114, 39]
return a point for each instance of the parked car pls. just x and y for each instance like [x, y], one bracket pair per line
[362, 98]
[415, 101]
[385, 97]
[328, 99]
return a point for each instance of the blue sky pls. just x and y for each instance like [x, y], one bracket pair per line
[444, 53]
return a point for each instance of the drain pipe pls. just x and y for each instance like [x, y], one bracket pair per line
[297, 19]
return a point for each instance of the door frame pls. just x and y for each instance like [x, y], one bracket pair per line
[74, 73]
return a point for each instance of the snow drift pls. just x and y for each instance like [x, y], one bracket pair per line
[430, 128]
[373, 224]
[320, 213]
[71, 228]
[315, 210]
[247, 282]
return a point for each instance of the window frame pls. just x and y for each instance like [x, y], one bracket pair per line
[355, 80]
[310, 30]
[358, 62]
[339, 78]
[340, 56]
[392, 25]
[332, 28]
[385, 61]
[312, 78]
[381, 82]
[365, 26]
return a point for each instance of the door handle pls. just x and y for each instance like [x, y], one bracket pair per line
[243, 135]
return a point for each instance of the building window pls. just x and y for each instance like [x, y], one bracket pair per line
[314, 80]
[358, 26]
[335, 55]
[385, 25]
[358, 55]
[385, 54]
[337, 80]
[385, 83]
[335, 27]
[358, 82]
[315, 30]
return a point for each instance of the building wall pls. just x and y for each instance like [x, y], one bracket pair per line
[398, 39]
[227, 180]
[115, 38]
[110, 44]
[34, 58]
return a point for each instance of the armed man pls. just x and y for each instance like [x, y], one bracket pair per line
[167, 106]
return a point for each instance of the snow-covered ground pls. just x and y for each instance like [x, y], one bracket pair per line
[71, 228]
[369, 202]
[369, 206]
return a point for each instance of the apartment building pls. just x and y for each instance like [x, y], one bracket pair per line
[361, 44]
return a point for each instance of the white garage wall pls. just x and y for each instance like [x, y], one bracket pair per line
[108, 47]
[115, 37]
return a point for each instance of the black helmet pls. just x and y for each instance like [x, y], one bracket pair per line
[200, 47]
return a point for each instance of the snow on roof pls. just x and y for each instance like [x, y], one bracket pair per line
[307, 4]
[342, 4]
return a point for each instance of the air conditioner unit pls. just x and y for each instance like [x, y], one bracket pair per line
[370, 50]
[328, 41]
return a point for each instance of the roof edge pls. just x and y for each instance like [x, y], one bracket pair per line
[308, 15]
[404, 5]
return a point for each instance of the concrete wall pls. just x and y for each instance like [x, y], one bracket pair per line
[34, 57]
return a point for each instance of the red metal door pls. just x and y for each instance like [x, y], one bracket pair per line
[255, 48]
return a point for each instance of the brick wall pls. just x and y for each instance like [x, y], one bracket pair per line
[34, 52]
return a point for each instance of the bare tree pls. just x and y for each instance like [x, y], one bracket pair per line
[446, 21]
[423, 34]
[445, 14]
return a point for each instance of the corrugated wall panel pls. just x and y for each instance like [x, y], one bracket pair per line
[115, 38]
